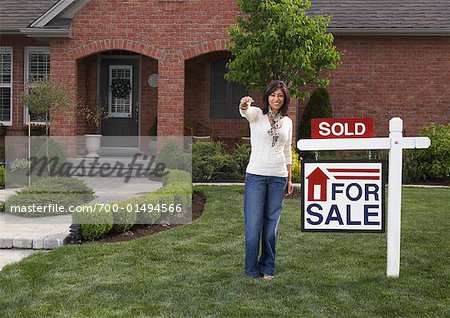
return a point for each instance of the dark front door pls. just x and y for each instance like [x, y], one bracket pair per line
[119, 94]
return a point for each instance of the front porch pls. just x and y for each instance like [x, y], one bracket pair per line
[209, 103]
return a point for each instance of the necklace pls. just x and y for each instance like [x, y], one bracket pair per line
[275, 125]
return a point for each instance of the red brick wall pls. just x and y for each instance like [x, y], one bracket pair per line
[170, 32]
[380, 77]
[385, 77]
[149, 96]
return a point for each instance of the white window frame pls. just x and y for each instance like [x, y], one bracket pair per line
[10, 85]
[28, 50]
[116, 114]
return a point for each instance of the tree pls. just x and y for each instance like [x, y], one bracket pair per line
[318, 107]
[277, 39]
[44, 97]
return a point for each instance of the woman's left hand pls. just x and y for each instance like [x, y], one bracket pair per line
[290, 188]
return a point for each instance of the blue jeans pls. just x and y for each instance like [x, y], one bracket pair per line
[263, 202]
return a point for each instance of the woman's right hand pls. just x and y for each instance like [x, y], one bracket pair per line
[245, 102]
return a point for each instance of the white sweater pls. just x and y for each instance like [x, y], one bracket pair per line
[266, 160]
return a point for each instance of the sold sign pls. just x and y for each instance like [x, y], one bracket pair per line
[322, 128]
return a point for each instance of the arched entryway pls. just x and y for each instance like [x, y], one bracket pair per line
[124, 84]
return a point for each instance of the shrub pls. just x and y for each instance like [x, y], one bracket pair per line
[176, 176]
[296, 166]
[317, 107]
[2, 177]
[176, 197]
[93, 225]
[2, 206]
[173, 157]
[434, 162]
[147, 215]
[210, 161]
[64, 192]
[241, 156]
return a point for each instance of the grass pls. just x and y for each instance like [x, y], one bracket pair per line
[197, 270]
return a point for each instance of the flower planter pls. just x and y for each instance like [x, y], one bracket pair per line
[92, 145]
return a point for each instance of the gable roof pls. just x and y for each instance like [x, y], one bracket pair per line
[15, 15]
[401, 17]
[385, 16]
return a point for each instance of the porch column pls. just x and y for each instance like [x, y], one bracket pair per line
[171, 95]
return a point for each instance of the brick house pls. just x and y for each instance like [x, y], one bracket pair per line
[396, 62]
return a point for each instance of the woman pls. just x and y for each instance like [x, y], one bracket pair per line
[268, 177]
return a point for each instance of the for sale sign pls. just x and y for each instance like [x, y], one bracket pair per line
[343, 196]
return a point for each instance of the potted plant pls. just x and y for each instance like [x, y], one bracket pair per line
[93, 117]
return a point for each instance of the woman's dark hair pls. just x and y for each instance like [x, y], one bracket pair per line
[272, 87]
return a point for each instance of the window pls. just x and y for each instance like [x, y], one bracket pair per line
[225, 96]
[5, 84]
[120, 90]
[37, 67]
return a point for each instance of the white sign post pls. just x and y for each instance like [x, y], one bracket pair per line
[395, 143]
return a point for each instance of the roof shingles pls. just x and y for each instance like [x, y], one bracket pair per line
[346, 14]
[385, 14]
[15, 15]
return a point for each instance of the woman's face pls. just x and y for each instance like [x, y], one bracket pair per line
[276, 100]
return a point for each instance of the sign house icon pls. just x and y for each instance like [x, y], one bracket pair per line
[317, 185]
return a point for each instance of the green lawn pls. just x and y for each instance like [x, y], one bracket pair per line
[197, 270]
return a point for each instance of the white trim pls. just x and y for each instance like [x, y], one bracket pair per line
[51, 13]
[28, 49]
[10, 50]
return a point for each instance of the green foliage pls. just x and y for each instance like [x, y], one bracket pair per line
[278, 40]
[176, 176]
[434, 162]
[154, 127]
[318, 107]
[45, 96]
[296, 166]
[64, 192]
[210, 161]
[173, 157]
[2, 176]
[241, 156]
[2, 206]
[146, 209]
[93, 225]
[197, 270]
[148, 216]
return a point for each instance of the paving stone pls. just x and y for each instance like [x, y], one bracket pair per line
[22, 243]
[6, 243]
[55, 240]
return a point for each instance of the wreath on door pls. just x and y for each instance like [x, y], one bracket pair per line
[120, 87]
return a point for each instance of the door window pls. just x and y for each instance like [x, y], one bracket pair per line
[120, 91]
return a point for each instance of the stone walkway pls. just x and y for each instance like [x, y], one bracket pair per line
[20, 237]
